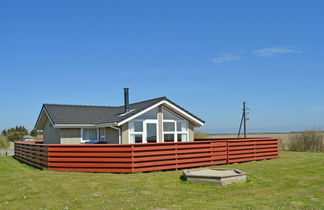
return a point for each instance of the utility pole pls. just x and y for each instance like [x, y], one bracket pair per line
[244, 114]
[243, 121]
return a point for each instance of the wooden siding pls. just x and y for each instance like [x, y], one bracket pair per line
[127, 158]
[51, 135]
[70, 135]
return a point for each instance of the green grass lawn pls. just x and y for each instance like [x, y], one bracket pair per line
[293, 181]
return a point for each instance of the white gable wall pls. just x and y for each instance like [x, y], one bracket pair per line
[158, 113]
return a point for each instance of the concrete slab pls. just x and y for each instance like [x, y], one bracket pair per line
[218, 176]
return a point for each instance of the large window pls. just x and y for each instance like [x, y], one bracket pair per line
[169, 130]
[143, 129]
[182, 131]
[136, 131]
[151, 132]
[174, 128]
[90, 134]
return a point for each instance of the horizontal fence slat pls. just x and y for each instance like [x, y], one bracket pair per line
[99, 170]
[89, 159]
[89, 154]
[89, 149]
[89, 165]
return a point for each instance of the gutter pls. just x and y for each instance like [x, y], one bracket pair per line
[119, 133]
[84, 125]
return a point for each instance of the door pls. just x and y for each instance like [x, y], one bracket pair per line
[150, 131]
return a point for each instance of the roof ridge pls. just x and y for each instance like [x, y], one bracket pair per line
[80, 105]
[162, 97]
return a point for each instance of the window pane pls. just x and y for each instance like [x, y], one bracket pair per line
[138, 126]
[136, 138]
[102, 133]
[182, 137]
[169, 115]
[179, 126]
[168, 126]
[168, 137]
[89, 134]
[185, 126]
[182, 126]
[152, 114]
[151, 132]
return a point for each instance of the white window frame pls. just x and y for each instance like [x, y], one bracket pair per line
[82, 141]
[104, 134]
[175, 132]
[156, 122]
[182, 132]
[144, 132]
[170, 132]
[131, 131]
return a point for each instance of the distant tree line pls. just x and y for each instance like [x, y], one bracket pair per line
[35, 132]
[18, 133]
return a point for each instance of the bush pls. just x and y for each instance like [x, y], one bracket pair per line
[4, 143]
[282, 145]
[307, 141]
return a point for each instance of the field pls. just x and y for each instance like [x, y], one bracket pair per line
[283, 137]
[293, 181]
[9, 150]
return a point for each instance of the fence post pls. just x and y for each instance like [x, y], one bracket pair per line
[277, 140]
[227, 152]
[132, 162]
[254, 148]
[176, 154]
[211, 152]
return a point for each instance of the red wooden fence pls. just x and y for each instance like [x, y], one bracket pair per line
[127, 158]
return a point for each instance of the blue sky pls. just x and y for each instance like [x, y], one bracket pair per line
[207, 56]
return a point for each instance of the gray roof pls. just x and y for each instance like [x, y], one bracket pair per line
[79, 114]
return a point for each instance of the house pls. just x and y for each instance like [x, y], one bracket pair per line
[150, 121]
[28, 138]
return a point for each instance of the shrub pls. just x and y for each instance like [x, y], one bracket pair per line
[4, 143]
[282, 145]
[307, 141]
